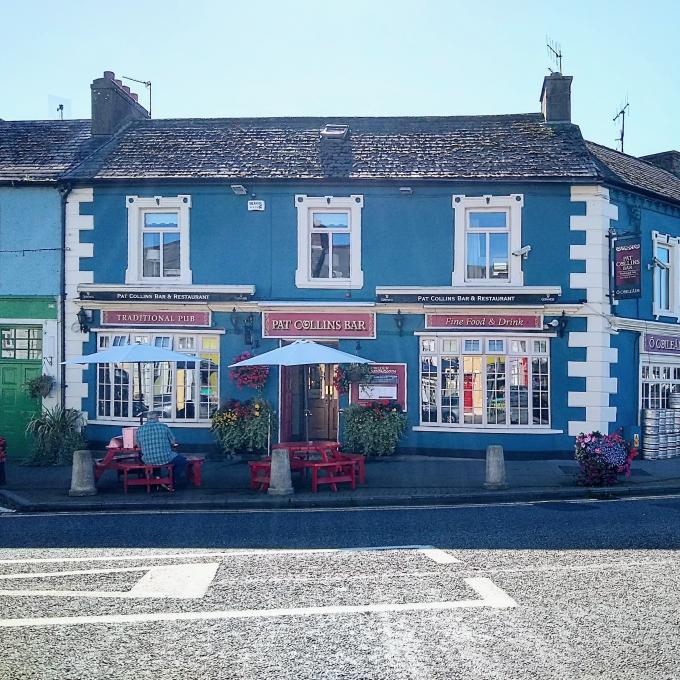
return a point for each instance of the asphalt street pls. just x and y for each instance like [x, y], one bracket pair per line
[546, 590]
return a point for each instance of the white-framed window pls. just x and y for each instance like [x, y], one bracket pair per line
[182, 392]
[485, 381]
[666, 262]
[659, 376]
[329, 241]
[158, 239]
[487, 231]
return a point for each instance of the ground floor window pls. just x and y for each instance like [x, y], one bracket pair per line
[185, 391]
[492, 381]
[659, 377]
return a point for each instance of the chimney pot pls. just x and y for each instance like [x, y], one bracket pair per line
[113, 105]
[556, 98]
[118, 82]
[126, 88]
[109, 75]
[135, 96]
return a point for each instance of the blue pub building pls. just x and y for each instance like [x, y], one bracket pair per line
[468, 256]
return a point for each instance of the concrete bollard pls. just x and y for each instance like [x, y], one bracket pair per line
[82, 475]
[495, 468]
[280, 483]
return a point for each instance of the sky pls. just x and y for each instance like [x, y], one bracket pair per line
[211, 58]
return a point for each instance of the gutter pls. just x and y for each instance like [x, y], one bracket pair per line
[64, 191]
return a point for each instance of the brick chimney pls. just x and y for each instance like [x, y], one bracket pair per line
[113, 105]
[556, 98]
[666, 160]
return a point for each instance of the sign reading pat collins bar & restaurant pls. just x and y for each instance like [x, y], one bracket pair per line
[470, 298]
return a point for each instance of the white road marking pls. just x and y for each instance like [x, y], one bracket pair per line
[222, 553]
[177, 581]
[439, 556]
[6, 510]
[491, 596]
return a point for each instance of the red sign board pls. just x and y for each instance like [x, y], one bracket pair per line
[485, 321]
[388, 381]
[318, 325]
[135, 317]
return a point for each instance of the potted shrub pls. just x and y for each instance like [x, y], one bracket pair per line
[602, 458]
[243, 426]
[56, 435]
[39, 386]
[374, 429]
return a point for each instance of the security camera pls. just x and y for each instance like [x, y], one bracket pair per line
[553, 324]
[522, 252]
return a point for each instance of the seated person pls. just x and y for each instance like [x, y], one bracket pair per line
[156, 441]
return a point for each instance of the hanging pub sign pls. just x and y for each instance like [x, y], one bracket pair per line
[627, 268]
[133, 317]
[484, 321]
[470, 298]
[160, 296]
[351, 325]
[387, 381]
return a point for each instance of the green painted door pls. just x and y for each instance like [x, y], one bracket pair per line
[16, 407]
[20, 361]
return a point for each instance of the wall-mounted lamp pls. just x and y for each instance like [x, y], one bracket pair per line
[85, 317]
[235, 324]
[560, 324]
[399, 321]
[239, 189]
[248, 329]
[523, 252]
[405, 191]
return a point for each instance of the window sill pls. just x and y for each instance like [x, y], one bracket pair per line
[486, 429]
[131, 422]
[331, 284]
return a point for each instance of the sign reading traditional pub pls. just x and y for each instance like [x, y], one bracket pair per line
[127, 317]
[470, 298]
[387, 381]
[318, 325]
[160, 296]
[484, 321]
[627, 268]
[662, 344]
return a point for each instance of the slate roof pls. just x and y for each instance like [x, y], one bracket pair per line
[632, 173]
[463, 147]
[41, 150]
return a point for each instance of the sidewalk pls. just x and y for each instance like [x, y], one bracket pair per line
[396, 481]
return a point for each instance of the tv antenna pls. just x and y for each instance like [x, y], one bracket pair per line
[555, 52]
[60, 111]
[146, 83]
[622, 114]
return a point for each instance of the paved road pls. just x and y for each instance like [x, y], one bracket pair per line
[554, 590]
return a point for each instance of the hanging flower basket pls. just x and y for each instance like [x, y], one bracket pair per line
[39, 386]
[354, 373]
[603, 458]
[248, 376]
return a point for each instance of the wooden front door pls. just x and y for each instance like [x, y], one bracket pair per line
[16, 407]
[322, 402]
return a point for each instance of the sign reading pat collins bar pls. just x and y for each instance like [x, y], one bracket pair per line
[318, 325]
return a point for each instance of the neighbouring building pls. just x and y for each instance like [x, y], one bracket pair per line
[470, 257]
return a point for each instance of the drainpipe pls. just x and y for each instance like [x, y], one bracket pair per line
[64, 191]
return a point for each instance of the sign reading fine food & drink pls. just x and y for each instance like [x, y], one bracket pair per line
[138, 318]
[627, 268]
[318, 325]
[485, 321]
[663, 344]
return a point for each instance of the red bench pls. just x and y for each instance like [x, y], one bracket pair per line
[147, 475]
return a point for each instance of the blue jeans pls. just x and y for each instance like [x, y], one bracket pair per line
[179, 468]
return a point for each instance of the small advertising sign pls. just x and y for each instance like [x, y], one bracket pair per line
[257, 205]
[627, 268]
[318, 325]
[132, 317]
[662, 344]
[388, 381]
[484, 321]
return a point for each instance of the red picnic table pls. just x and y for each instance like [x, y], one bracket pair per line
[128, 463]
[322, 457]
